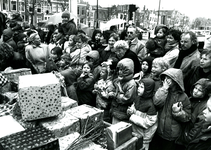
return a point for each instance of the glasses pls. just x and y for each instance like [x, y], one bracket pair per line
[130, 33]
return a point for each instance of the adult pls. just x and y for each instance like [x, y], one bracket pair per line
[172, 46]
[82, 49]
[121, 49]
[198, 72]
[106, 52]
[37, 53]
[189, 55]
[135, 44]
[107, 33]
[8, 38]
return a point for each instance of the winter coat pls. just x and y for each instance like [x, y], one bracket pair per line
[171, 55]
[106, 53]
[38, 56]
[84, 88]
[192, 129]
[193, 75]
[6, 56]
[203, 141]
[79, 56]
[169, 122]
[145, 118]
[69, 28]
[125, 89]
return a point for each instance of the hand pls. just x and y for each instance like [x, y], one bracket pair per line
[166, 83]
[82, 75]
[177, 107]
[131, 110]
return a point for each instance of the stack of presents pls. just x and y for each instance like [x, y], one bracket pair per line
[42, 119]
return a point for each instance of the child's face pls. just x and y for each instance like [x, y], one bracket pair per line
[97, 36]
[205, 61]
[207, 111]
[156, 70]
[64, 19]
[86, 69]
[140, 89]
[103, 74]
[78, 44]
[144, 66]
[53, 55]
[160, 33]
[198, 91]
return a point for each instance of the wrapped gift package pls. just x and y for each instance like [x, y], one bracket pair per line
[9, 126]
[13, 75]
[117, 134]
[89, 116]
[66, 141]
[39, 96]
[68, 103]
[128, 145]
[61, 125]
[30, 139]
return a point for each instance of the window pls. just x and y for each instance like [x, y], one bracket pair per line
[83, 12]
[13, 5]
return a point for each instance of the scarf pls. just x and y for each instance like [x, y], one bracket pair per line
[183, 54]
[169, 46]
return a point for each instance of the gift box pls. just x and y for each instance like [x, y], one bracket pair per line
[68, 103]
[61, 125]
[89, 116]
[66, 141]
[13, 75]
[117, 134]
[39, 96]
[9, 126]
[128, 145]
[37, 138]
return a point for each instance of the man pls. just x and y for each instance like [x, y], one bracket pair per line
[189, 56]
[135, 44]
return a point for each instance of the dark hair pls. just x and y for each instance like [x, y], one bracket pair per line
[57, 50]
[94, 34]
[206, 52]
[83, 38]
[90, 64]
[112, 28]
[115, 36]
[175, 33]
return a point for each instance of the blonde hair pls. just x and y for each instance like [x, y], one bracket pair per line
[121, 44]
[161, 62]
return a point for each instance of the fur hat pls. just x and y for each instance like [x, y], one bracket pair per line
[66, 14]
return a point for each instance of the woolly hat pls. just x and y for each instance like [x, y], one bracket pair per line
[57, 50]
[8, 32]
[16, 17]
[66, 14]
[150, 45]
[93, 54]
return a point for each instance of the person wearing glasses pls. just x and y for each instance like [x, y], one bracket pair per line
[135, 44]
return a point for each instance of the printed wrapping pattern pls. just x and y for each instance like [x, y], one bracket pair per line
[66, 141]
[62, 125]
[32, 139]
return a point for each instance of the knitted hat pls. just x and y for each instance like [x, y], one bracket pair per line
[66, 14]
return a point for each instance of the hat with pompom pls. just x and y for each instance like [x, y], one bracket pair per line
[66, 14]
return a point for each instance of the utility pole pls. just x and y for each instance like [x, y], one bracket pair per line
[158, 12]
[97, 25]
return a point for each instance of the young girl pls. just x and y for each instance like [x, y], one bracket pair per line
[159, 65]
[174, 109]
[69, 46]
[198, 99]
[146, 67]
[85, 86]
[105, 92]
[125, 88]
[143, 112]
[95, 42]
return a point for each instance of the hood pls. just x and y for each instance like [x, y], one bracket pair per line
[174, 74]
[125, 69]
[149, 85]
[203, 82]
[93, 54]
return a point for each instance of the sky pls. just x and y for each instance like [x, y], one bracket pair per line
[191, 8]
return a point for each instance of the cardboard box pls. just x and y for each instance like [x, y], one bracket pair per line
[9, 126]
[87, 115]
[68, 103]
[128, 145]
[66, 141]
[31, 139]
[39, 96]
[117, 134]
[62, 125]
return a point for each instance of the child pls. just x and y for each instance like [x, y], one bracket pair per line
[143, 112]
[146, 67]
[85, 86]
[174, 109]
[156, 45]
[198, 99]
[69, 46]
[105, 92]
[65, 62]
[125, 88]
[95, 42]
[159, 65]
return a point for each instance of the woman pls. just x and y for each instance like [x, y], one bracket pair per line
[37, 53]
[82, 49]
[107, 51]
[172, 46]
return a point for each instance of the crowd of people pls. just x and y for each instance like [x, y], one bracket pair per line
[162, 87]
